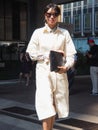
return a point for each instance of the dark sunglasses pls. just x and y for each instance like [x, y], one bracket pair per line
[52, 14]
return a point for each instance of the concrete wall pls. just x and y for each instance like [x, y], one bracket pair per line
[35, 14]
[40, 7]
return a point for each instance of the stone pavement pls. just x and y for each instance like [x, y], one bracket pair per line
[17, 110]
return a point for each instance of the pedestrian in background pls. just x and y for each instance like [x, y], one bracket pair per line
[26, 67]
[92, 56]
[71, 73]
[52, 95]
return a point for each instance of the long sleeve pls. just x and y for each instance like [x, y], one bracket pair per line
[33, 47]
[70, 51]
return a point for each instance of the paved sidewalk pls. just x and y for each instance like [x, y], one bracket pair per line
[17, 109]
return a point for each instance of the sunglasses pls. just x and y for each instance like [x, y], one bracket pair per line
[52, 14]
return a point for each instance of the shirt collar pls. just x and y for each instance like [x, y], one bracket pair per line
[48, 29]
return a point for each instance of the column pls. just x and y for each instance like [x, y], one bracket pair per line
[82, 5]
[93, 19]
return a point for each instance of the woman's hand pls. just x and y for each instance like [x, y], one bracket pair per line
[62, 52]
[62, 69]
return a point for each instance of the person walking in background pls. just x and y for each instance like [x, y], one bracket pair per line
[92, 56]
[52, 95]
[71, 73]
[26, 67]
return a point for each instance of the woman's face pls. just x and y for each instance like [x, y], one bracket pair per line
[51, 18]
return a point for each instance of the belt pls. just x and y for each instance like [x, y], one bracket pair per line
[46, 61]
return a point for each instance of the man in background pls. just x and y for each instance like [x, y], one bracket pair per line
[92, 56]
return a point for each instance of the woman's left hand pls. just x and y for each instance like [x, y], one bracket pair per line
[62, 69]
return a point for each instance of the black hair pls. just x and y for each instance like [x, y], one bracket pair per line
[53, 6]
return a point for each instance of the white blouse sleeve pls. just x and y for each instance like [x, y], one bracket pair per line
[70, 51]
[33, 47]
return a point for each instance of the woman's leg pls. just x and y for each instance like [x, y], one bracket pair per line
[20, 77]
[94, 78]
[48, 123]
[27, 79]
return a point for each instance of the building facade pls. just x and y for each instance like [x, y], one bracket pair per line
[19, 18]
[81, 18]
[83, 15]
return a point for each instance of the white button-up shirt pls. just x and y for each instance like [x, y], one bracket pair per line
[44, 39]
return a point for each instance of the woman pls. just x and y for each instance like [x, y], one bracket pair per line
[26, 67]
[51, 87]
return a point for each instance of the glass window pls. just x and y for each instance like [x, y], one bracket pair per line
[67, 19]
[8, 20]
[85, 2]
[16, 21]
[96, 21]
[1, 20]
[66, 6]
[20, 25]
[1, 28]
[13, 20]
[77, 4]
[88, 2]
[77, 22]
[87, 21]
[23, 22]
[5, 20]
[96, 1]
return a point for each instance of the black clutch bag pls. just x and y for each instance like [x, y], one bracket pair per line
[56, 59]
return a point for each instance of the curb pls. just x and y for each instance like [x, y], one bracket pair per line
[12, 81]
